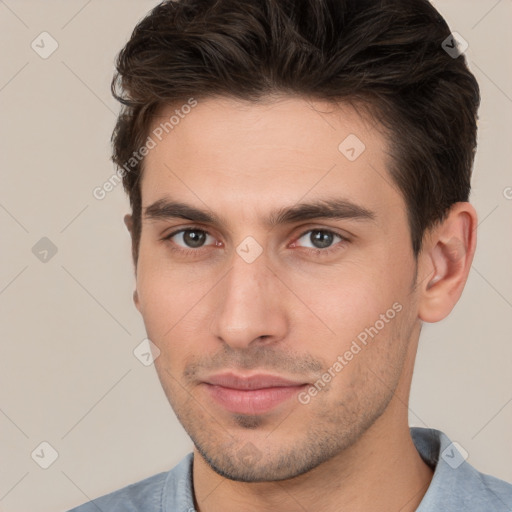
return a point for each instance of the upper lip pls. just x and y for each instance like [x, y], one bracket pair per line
[258, 381]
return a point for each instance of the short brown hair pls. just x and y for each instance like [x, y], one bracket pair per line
[387, 54]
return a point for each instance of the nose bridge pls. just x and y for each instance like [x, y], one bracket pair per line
[248, 305]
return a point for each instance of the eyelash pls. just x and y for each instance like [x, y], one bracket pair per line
[315, 251]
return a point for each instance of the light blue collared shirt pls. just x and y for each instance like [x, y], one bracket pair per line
[455, 486]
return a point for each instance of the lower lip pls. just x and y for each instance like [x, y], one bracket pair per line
[251, 401]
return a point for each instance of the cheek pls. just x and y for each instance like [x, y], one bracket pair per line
[156, 300]
[165, 293]
[357, 305]
[345, 299]
[174, 306]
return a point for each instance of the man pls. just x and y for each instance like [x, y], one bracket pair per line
[299, 175]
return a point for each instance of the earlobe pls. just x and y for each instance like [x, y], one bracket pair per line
[446, 260]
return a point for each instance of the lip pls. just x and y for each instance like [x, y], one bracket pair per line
[254, 394]
[250, 382]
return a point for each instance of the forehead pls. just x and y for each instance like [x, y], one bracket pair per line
[227, 153]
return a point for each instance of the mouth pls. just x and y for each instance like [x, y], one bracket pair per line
[254, 394]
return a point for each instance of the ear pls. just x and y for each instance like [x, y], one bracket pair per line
[445, 262]
[128, 220]
[136, 300]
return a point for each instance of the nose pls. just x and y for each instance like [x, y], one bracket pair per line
[251, 306]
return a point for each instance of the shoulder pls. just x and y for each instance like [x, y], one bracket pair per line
[143, 495]
[499, 490]
[153, 494]
[456, 484]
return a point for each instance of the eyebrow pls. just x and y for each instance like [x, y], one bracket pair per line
[335, 208]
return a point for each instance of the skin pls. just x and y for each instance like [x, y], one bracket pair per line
[293, 310]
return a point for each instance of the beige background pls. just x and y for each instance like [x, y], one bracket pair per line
[68, 326]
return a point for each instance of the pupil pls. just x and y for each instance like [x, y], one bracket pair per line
[194, 238]
[321, 239]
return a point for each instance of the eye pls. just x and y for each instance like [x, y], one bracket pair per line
[319, 239]
[191, 238]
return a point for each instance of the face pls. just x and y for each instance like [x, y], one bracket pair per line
[276, 277]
